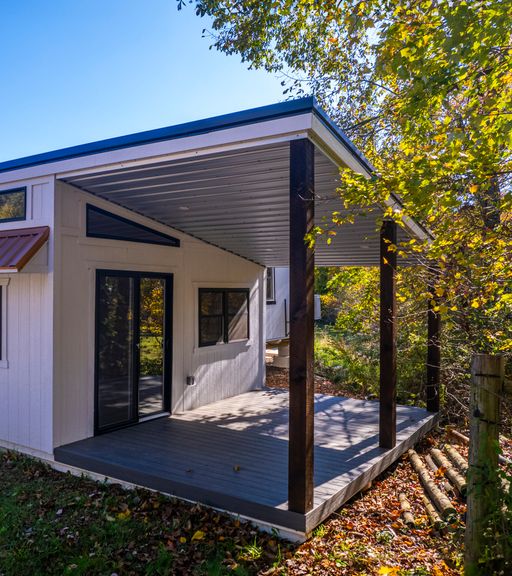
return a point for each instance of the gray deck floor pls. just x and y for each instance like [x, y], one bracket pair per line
[233, 454]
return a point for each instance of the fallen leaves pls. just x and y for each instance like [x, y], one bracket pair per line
[390, 571]
[129, 532]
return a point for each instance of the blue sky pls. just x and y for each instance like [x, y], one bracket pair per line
[79, 71]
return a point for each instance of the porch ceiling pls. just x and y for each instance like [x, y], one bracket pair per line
[237, 200]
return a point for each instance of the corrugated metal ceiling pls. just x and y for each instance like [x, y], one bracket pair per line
[238, 201]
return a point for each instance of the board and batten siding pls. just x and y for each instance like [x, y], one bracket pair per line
[26, 368]
[219, 371]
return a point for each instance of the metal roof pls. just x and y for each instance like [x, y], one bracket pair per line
[225, 180]
[18, 246]
[235, 119]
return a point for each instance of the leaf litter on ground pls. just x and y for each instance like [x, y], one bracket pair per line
[56, 523]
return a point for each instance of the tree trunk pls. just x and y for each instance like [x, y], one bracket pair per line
[406, 509]
[450, 472]
[435, 519]
[441, 501]
[457, 459]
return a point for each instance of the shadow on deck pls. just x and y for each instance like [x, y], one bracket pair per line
[233, 454]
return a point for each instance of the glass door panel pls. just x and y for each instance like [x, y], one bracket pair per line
[133, 346]
[115, 351]
[151, 346]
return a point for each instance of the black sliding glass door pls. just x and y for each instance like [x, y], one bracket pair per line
[133, 346]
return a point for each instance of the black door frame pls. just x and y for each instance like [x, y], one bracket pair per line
[168, 343]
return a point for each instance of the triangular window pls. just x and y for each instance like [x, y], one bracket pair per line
[103, 224]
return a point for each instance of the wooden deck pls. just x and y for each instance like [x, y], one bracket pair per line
[233, 454]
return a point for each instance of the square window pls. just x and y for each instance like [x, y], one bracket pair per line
[211, 303]
[223, 315]
[13, 204]
[211, 330]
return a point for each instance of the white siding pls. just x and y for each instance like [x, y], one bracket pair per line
[26, 407]
[275, 313]
[219, 371]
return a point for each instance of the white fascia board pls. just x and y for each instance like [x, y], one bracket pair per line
[250, 135]
[334, 149]
[412, 227]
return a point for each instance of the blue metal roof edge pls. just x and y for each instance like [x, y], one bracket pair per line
[232, 120]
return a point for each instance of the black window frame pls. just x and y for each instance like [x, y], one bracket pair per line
[13, 191]
[169, 241]
[224, 315]
[271, 300]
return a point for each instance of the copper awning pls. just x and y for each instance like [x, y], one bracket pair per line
[18, 246]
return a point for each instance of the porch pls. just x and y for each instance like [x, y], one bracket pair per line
[233, 454]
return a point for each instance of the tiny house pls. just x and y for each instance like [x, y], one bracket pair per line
[134, 311]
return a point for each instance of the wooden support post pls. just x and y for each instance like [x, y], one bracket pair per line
[302, 272]
[388, 262]
[433, 353]
[487, 379]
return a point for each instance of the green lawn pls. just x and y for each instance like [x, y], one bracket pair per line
[54, 523]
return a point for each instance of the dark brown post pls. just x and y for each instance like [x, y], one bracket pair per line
[433, 352]
[302, 271]
[388, 258]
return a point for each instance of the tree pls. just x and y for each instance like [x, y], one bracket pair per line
[424, 88]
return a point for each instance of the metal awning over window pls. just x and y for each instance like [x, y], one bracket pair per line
[18, 246]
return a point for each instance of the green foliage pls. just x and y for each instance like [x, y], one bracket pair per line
[496, 559]
[347, 362]
[347, 347]
[424, 88]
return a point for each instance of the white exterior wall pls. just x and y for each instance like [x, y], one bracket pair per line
[26, 368]
[275, 313]
[220, 371]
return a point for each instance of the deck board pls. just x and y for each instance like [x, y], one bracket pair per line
[233, 454]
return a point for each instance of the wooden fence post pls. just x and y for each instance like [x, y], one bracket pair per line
[487, 380]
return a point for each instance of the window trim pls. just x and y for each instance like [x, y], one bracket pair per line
[225, 315]
[272, 300]
[13, 190]
[4, 282]
[168, 241]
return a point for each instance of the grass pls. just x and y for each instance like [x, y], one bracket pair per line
[57, 524]
[53, 523]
